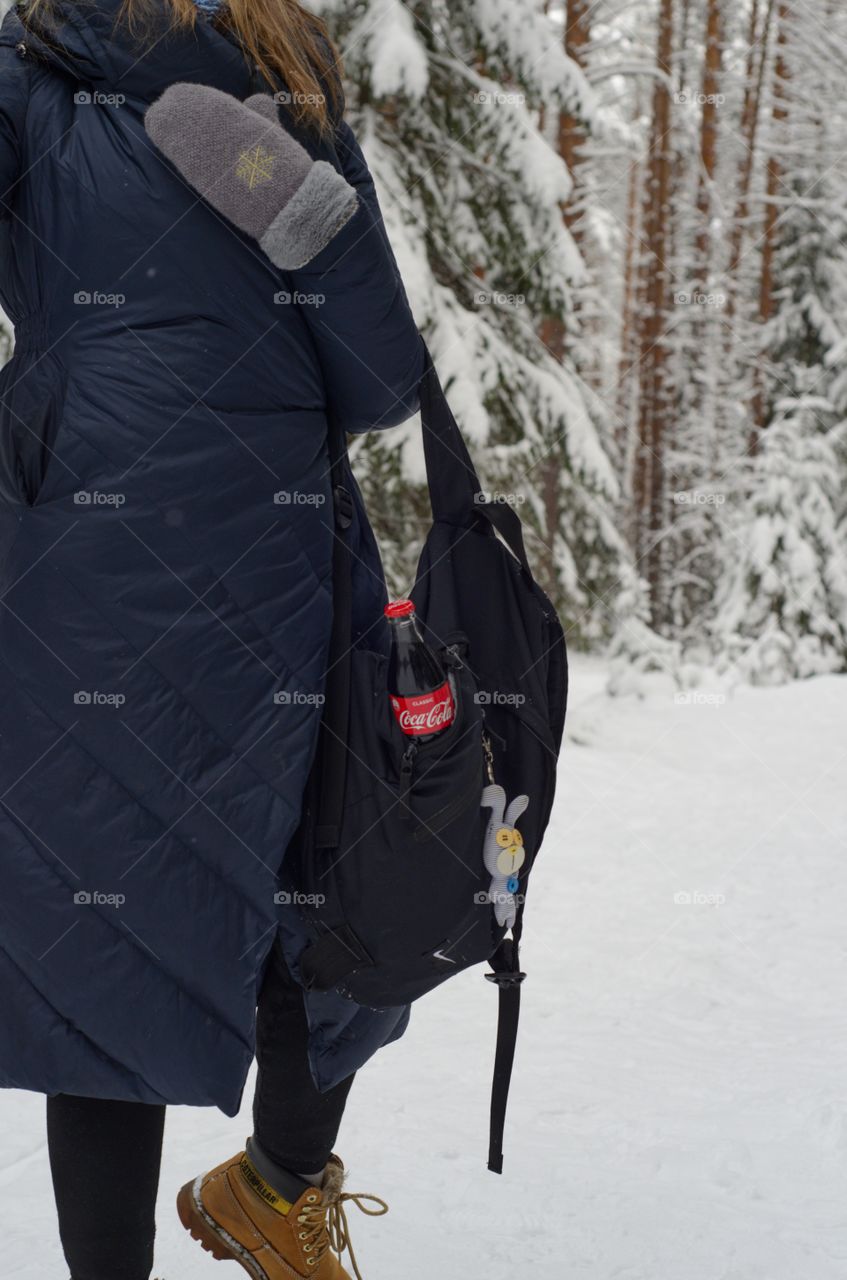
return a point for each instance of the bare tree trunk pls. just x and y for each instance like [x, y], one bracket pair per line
[779, 114]
[571, 132]
[708, 135]
[757, 57]
[626, 400]
[550, 477]
[570, 136]
[652, 417]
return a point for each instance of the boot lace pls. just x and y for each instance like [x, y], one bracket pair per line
[325, 1225]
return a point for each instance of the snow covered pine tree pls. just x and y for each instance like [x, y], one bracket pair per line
[447, 100]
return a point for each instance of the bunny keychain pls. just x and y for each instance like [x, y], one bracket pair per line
[504, 851]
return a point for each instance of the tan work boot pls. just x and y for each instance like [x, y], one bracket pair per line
[236, 1214]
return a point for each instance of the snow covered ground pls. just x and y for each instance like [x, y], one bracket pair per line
[680, 1101]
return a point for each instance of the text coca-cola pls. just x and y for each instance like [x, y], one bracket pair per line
[418, 687]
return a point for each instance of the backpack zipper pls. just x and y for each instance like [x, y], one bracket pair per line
[407, 768]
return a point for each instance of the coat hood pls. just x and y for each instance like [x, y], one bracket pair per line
[85, 42]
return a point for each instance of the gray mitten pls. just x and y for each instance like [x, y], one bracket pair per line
[240, 159]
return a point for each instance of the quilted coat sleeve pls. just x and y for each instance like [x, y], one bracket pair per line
[369, 346]
[14, 94]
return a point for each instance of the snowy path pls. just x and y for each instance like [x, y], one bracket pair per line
[680, 1106]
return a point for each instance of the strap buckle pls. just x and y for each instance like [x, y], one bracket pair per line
[344, 508]
[505, 980]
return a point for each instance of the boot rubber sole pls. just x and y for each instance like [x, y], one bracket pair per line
[210, 1235]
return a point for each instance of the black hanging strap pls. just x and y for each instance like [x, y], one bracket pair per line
[455, 493]
[508, 977]
[453, 483]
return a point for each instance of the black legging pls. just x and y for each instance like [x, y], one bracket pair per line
[105, 1156]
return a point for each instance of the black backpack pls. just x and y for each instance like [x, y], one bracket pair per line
[391, 842]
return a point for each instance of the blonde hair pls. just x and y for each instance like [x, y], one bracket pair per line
[280, 36]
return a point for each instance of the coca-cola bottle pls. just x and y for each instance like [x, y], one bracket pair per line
[418, 687]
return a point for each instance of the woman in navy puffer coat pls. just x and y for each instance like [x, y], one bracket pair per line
[165, 539]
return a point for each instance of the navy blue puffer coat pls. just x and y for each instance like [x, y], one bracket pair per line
[165, 592]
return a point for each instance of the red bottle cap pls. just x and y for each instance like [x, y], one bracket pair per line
[399, 609]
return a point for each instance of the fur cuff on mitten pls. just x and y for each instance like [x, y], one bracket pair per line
[240, 158]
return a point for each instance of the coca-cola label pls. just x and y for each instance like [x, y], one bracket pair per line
[425, 712]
